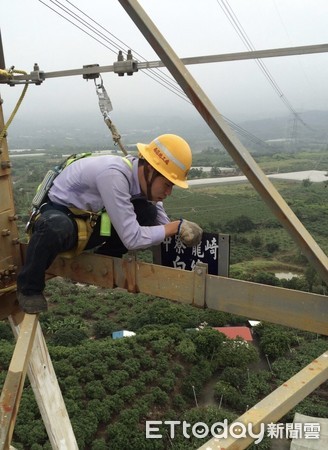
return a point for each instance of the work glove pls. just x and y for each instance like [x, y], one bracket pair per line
[190, 233]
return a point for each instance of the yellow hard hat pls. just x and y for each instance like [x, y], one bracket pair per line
[170, 155]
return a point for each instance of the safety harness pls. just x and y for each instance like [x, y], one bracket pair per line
[85, 220]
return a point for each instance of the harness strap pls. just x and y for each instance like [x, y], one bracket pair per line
[84, 230]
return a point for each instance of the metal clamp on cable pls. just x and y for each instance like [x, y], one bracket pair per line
[36, 75]
[90, 76]
[129, 66]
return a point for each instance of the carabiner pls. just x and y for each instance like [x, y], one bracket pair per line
[105, 104]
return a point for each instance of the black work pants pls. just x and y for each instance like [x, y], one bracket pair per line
[55, 231]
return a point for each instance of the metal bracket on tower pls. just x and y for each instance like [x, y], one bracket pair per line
[36, 77]
[128, 66]
[91, 76]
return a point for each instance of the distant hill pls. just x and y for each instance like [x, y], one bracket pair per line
[82, 131]
[314, 127]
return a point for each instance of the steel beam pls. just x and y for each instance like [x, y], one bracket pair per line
[276, 404]
[242, 56]
[141, 65]
[221, 129]
[297, 309]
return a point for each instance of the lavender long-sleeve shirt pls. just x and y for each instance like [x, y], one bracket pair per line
[108, 182]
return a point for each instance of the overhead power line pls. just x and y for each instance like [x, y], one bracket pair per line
[233, 19]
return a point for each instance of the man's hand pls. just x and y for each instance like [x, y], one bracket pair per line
[190, 233]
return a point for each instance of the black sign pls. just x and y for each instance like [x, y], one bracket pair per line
[175, 254]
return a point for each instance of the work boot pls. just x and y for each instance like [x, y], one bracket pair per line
[32, 304]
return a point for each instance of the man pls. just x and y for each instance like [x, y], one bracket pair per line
[130, 190]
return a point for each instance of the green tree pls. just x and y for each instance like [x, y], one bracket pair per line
[6, 352]
[272, 247]
[240, 224]
[306, 183]
[227, 395]
[215, 172]
[68, 337]
[5, 332]
[115, 379]
[208, 342]
[103, 328]
[263, 277]
[277, 342]
[132, 366]
[160, 397]
[196, 173]
[99, 444]
[236, 353]
[85, 425]
[256, 241]
[127, 393]
[95, 390]
[310, 276]
[30, 433]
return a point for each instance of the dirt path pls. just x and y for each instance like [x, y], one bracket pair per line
[206, 396]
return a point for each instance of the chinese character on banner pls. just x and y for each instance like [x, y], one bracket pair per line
[179, 264]
[175, 254]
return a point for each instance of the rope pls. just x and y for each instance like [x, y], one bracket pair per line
[9, 75]
[105, 106]
[5, 74]
[116, 135]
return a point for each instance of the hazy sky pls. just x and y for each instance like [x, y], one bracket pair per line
[31, 32]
